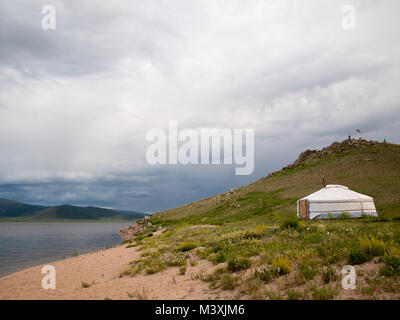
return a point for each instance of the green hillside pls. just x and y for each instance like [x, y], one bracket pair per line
[261, 250]
[366, 167]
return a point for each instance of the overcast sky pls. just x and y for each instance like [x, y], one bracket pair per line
[76, 102]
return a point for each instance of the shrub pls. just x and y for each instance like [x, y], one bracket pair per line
[293, 294]
[344, 215]
[392, 262]
[329, 274]
[273, 295]
[255, 233]
[174, 260]
[228, 282]
[358, 256]
[307, 270]
[74, 254]
[367, 249]
[182, 270]
[220, 257]
[254, 289]
[372, 246]
[85, 284]
[264, 274]
[139, 295]
[281, 265]
[154, 266]
[187, 246]
[324, 293]
[290, 224]
[235, 265]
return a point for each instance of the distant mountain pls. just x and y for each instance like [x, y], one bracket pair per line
[19, 210]
[12, 209]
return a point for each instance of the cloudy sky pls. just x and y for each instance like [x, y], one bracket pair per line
[76, 102]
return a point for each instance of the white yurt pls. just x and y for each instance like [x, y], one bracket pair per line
[334, 200]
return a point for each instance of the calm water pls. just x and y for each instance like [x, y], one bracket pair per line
[27, 244]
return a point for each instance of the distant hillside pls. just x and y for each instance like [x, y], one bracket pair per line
[17, 210]
[136, 214]
[9, 208]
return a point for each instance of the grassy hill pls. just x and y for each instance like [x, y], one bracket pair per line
[366, 167]
[16, 211]
[260, 249]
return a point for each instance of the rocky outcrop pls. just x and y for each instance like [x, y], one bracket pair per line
[335, 148]
[135, 229]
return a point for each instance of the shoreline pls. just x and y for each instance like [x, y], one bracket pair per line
[24, 244]
[25, 284]
[56, 259]
[98, 276]
[68, 220]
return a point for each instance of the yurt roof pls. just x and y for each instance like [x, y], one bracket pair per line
[336, 193]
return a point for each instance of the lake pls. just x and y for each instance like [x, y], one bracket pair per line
[27, 244]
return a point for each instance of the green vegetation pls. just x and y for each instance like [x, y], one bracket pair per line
[236, 265]
[392, 262]
[256, 243]
[187, 246]
[366, 249]
[293, 294]
[323, 293]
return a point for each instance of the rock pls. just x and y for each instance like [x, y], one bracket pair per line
[335, 148]
[135, 229]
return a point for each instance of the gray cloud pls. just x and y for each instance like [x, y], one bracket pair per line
[76, 102]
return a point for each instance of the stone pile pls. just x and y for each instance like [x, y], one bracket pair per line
[135, 229]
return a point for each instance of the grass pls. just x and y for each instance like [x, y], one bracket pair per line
[103, 220]
[238, 264]
[142, 294]
[366, 249]
[290, 223]
[392, 262]
[187, 246]
[253, 237]
[293, 294]
[228, 282]
[329, 274]
[323, 293]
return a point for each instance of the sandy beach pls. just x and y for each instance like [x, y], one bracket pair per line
[102, 270]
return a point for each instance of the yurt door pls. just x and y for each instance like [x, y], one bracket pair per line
[303, 209]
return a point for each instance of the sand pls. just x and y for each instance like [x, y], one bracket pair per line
[102, 270]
